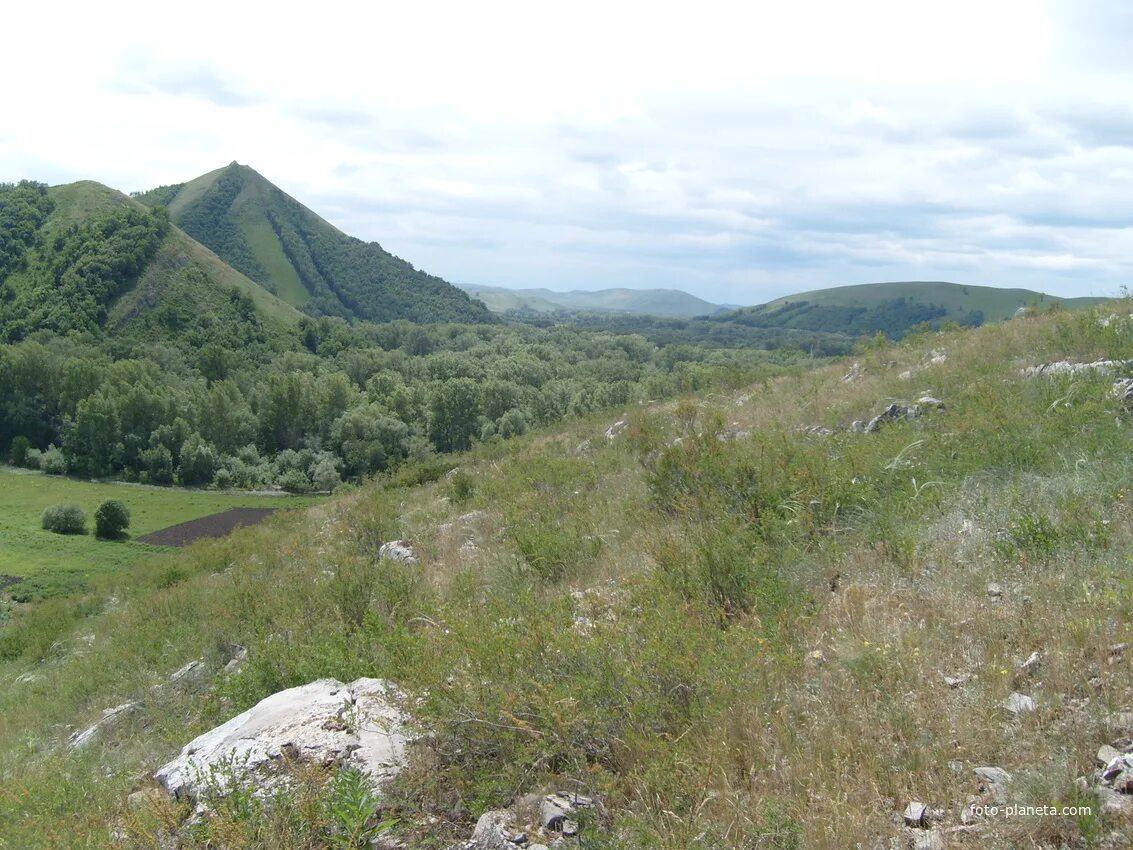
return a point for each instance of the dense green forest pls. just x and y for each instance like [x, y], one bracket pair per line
[352, 402]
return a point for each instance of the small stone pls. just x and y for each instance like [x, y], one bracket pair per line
[1118, 648]
[1106, 754]
[995, 781]
[615, 429]
[519, 838]
[1113, 802]
[399, 551]
[1031, 664]
[1018, 703]
[915, 813]
[994, 590]
[816, 656]
[931, 839]
[957, 681]
[930, 401]
[190, 671]
[570, 828]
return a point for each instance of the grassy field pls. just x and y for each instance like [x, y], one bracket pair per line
[731, 627]
[28, 550]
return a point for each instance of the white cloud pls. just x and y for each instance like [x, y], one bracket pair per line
[741, 150]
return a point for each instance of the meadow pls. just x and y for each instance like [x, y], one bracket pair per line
[30, 551]
[729, 624]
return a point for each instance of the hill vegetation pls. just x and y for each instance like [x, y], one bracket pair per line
[655, 302]
[730, 622]
[285, 247]
[894, 309]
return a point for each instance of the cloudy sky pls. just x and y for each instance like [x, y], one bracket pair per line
[740, 151]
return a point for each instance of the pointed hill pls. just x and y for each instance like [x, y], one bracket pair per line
[895, 308]
[307, 262]
[83, 258]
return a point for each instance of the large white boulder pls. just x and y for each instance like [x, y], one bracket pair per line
[325, 721]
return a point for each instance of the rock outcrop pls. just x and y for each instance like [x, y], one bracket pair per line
[325, 722]
[399, 551]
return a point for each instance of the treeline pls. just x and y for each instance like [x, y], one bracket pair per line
[894, 317]
[356, 401]
[712, 332]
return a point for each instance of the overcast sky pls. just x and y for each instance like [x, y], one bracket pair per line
[740, 151]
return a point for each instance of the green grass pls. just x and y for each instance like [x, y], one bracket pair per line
[736, 641]
[28, 550]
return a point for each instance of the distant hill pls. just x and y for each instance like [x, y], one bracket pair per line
[895, 308]
[654, 302]
[307, 262]
[85, 259]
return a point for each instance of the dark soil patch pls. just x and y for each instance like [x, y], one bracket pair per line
[8, 581]
[213, 525]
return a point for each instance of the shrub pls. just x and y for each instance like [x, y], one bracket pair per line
[463, 486]
[19, 453]
[52, 461]
[111, 520]
[66, 518]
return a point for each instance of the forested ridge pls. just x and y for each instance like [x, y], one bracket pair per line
[252, 224]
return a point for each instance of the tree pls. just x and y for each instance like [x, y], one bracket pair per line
[454, 407]
[111, 520]
[199, 461]
[66, 518]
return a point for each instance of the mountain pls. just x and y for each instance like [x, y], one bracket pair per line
[84, 258]
[655, 302]
[894, 308]
[307, 262]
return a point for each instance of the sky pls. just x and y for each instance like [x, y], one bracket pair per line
[739, 151]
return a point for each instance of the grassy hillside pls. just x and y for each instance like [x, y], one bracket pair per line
[95, 261]
[731, 629]
[655, 302]
[306, 261]
[894, 308]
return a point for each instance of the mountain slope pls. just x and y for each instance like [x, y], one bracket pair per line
[655, 302]
[91, 260]
[894, 308]
[285, 247]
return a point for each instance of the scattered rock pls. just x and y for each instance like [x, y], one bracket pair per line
[191, 671]
[1031, 664]
[817, 430]
[957, 681]
[109, 719]
[994, 590]
[855, 372]
[324, 722]
[930, 839]
[1067, 367]
[994, 781]
[930, 401]
[582, 448]
[555, 810]
[937, 357]
[895, 411]
[1107, 754]
[1018, 703]
[399, 551]
[493, 831]
[907, 375]
[237, 654]
[616, 429]
[915, 814]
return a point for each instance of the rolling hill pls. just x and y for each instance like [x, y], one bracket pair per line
[655, 302]
[307, 262]
[84, 258]
[894, 308]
